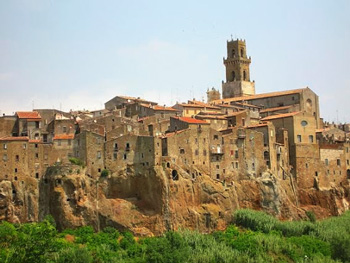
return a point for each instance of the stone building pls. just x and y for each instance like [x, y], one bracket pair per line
[237, 64]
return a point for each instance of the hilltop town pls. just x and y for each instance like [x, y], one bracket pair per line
[149, 168]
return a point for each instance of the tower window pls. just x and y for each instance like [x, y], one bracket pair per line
[242, 52]
[244, 75]
[233, 53]
[233, 75]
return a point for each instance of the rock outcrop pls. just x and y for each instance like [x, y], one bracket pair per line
[151, 202]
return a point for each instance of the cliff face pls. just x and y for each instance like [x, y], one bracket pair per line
[152, 202]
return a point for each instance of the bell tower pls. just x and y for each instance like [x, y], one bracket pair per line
[237, 71]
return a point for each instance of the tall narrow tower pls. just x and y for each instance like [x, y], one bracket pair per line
[237, 71]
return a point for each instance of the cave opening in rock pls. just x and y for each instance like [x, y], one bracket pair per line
[175, 175]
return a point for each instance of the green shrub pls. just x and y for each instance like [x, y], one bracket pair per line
[311, 215]
[76, 161]
[104, 173]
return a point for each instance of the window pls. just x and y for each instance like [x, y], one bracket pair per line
[98, 155]
[298, 138]
[311, 138]
[217, 166]
[196, 152]
[216, 137]
[326, 162]
[233, 53]
[37, 125]
[127, 146]
[338, 162]
[36, 155]
[236, 165]
[36, 145]
[244, 75]
[304, 123]
[236, 153]
[217, 176]
[114, 156]
[242, 52]
[17, 158]
[124, 156]
[5, 146]
[4, 157]
[182, 151]
[64, 129]
[16, 170]
[347, 162]
[24, 145]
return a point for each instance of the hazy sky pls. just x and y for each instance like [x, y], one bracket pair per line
[79, 54]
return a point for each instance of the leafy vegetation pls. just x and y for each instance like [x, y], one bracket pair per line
[104, 173]
[76, 161]
[255, 237]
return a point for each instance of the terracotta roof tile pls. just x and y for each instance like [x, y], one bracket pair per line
[279, 116]
[34, 141]
[259, 96]
[21, 138]
[157, 107]
[34, 115]
[257, 125]
[64, 137]
[191, 120]
[276, 108]
[198, 106]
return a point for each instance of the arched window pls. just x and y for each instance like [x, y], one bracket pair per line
[233, 75]
[242, 52]
[244, 75]
[233, 53]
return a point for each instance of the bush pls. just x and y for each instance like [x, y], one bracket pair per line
[311, 216]
[104, 173]
[76, 161]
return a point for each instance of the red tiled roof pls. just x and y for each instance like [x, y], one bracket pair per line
[169, 134]
[276, 109]
[34, 141]
[216, 117]
[259, 96]
[279, 116]
[257, 125]
[232, 114]
[191, 120]
[157, 107]
[198, 106]
[34, 115]
[64, 137]
[22, 138]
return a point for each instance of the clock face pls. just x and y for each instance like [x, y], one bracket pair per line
[303, 123]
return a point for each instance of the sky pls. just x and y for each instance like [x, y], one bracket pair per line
[70, 54]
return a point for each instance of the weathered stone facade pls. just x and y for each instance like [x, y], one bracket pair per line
[151, 168]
